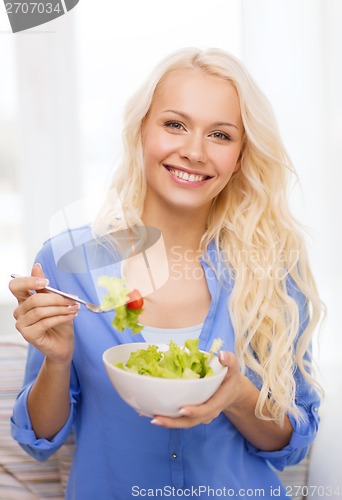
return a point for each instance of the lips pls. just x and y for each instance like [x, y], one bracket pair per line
[186, 175]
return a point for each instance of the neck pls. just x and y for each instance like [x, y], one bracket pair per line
[180, 228]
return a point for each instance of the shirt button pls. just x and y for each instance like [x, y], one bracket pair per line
[174, 455]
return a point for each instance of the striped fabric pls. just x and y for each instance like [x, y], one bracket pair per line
[65, 455]
[23, 478]
[294, 477]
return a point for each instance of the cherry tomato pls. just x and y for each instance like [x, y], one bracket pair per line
[135, 300]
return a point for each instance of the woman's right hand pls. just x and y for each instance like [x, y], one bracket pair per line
[44, 319]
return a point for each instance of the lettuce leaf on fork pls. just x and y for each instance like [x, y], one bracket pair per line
[117, 298]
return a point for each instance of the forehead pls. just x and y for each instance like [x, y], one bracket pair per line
[193, 91]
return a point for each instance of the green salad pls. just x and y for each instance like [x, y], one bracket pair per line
[127, 304]
[177, 362]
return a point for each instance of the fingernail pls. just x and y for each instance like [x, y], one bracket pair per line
[221, 356]
[42, 282]
[74, 307]
[155, 421]
[38, 264]
[183, 412]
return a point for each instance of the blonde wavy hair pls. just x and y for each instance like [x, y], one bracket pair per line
[251, 224]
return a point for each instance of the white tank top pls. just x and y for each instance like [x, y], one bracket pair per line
[165, 335]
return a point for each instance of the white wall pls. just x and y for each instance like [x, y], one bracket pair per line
[49, 167]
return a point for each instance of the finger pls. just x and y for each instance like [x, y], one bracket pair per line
[173, 423]
[21, 287]
[38, 314]
[31, 332]
[203, 413]
[190, 416]
[229, 360]
[43, 300]
[37, 271]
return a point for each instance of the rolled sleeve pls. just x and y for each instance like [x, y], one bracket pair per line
[21, 426]
[22, 432]
[304, 432]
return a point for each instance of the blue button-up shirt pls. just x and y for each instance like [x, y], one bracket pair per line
[119, 454]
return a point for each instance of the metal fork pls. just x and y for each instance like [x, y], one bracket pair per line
[92, 307]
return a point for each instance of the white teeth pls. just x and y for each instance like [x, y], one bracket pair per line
[185, 176]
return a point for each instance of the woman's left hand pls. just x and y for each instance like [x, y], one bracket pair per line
[226, 395]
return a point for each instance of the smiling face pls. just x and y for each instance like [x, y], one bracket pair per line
[192, 139]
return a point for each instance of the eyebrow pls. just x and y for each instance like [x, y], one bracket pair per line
[187, 117]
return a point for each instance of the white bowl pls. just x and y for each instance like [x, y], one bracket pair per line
[152, 396]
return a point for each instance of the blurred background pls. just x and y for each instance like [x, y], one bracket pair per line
[63, 86]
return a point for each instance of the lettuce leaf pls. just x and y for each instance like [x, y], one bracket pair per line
[177, 362]
[117, 298]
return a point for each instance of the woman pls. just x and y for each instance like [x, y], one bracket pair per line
[203, 164]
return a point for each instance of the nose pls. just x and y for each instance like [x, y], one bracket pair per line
[193, 148]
